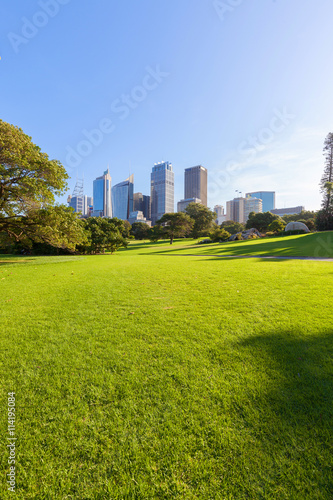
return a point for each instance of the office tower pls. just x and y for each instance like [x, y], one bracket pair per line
[235, 210]
[220, 215]
[267, 197]
[195, 185]
[141, 203]
[102, 196]
[238, 209]
[182, 204]
[122, 198]
[78, 201]
[252, 205]
[162, 187]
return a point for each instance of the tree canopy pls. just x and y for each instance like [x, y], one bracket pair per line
[261, 220]
[232, 227]
[326, 183]
[29, 182]
[202, 218]
[175, 225]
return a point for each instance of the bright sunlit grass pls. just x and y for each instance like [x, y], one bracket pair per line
[150, 375]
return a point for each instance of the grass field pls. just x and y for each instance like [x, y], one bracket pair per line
[150, 374]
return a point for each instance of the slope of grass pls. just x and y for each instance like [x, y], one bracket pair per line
[147, 376]
[307, 245]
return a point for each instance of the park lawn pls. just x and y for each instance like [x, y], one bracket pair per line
[144, 375]
[304, 245]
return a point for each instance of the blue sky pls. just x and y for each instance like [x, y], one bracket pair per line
[241, 87]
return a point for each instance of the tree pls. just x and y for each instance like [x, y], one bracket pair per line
[261, 220]
[276, 226]
[29, 181]
[202, 218]
[103, 234]
[305, 214]
[219, 234]
[326, 183]
[126, 232]
[232, 227]
[155, 233]
[140, 230]
[175, 225]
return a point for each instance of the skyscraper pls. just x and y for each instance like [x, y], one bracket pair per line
[141, 203]
[195, 185]
[122, 198]
[102, 196]
[162, 186]
[79, 201]
[267, 197]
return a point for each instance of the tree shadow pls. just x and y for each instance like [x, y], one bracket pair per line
[284, 402]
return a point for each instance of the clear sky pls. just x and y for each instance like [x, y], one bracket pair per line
[242, 87]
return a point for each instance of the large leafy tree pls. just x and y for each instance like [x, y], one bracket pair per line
[261, 220]
[202, 218]
[29, 182]
[103, 234]
[140, 230]
[326, 183]
[175, 225]
[232, 227]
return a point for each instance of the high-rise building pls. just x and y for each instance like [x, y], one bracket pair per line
[195, 183]
[162, 186]
[122, 198]
[78, 201]
[238, 209]
[141, 203]
[102, 196]
[267, 197]
[182, 204]
[252, 205]
[220, 215]
[235, 210]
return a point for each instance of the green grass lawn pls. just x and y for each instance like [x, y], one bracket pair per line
[316, 245]
[144, 375]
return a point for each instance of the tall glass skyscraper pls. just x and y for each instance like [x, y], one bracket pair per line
[267, 197]
[162, 188]
[102, 196]
[122, 198]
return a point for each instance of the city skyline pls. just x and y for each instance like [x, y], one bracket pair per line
[247, 118]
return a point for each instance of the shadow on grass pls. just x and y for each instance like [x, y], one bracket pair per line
[309, 245]
[287, 378]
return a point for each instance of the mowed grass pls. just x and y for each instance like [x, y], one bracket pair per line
[315, 245]
[150, 376]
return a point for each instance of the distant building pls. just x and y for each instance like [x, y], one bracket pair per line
[141, 203]
[195, 183]
[252, 205]
[137, 216]
[288, 211]
[220, 215]
[235, 210]
[162, 187]
[182, 204]
[122, 198]
[102, 196]
[239, 209]
[267, 197]
[78, 201]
